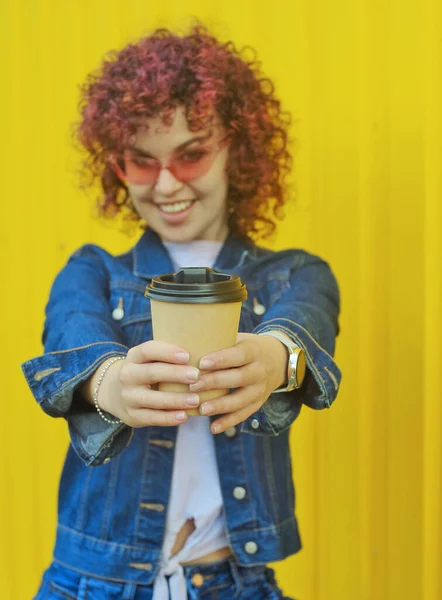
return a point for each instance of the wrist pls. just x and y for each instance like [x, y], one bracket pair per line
[296, 362]
[109, 391]
[278, 355]
[109, 387]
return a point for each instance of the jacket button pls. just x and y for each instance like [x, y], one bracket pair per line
[239, 493]
[251, 547]
[230, 432]
[258, 308]
[117, 314]
[255, 423]
[197, 580]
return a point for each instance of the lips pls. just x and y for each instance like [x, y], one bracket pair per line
[175, 213]
[175, 207]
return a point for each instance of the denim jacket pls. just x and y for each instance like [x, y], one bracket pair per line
[112, 517]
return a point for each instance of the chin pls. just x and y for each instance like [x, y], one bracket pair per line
[181, 234]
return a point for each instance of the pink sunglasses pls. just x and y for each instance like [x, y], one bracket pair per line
[144, 170]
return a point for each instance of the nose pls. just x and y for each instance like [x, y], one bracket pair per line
[167, 184]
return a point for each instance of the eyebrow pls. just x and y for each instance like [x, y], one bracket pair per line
[201, 138]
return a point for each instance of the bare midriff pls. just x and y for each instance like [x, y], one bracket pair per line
[186, 530]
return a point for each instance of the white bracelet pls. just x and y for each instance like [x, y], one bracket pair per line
[99, 382]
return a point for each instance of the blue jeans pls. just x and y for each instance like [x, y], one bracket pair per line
[223, 580]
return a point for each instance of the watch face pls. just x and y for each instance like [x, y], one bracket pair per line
[296, 365]
[301, 367]
[296, 368]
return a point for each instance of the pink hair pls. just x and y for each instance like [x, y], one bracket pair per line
[162, 71]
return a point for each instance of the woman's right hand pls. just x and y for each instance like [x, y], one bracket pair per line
[128, 387]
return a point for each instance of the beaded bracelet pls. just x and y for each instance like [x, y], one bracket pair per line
[99, 382]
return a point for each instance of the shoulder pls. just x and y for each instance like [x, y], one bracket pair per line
[101, 258]
[94, 251]
[292, 267]
[287, 259]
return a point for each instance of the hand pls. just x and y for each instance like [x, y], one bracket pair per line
[255, 367]
[127, 390]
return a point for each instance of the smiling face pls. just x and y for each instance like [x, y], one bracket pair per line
[180, 211]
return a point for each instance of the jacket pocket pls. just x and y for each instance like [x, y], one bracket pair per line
[266, 289]
[247, 319]
[131, 310]
[137, 329]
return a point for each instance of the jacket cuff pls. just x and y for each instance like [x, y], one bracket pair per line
[319, 389]
[54, 379]
[96, 441]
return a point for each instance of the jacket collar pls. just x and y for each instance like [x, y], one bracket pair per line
[151, 258]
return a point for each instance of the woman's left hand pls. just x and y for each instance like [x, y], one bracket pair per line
[254, 368]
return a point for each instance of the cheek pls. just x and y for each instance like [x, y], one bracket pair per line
[138, 193]
[213, 183]
[214, 191]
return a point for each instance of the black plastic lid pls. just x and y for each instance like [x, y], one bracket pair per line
[197, 285]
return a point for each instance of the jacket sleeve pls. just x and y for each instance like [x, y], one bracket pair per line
[307, 312]
[79, 334]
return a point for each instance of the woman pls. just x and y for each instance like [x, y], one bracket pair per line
[188, 140]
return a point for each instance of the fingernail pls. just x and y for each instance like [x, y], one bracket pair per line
[193, 400]
[206, 409]
[206, 363]
[183, 356]
[192, 374]
[196, 387]
[180, 416]
[215, 428]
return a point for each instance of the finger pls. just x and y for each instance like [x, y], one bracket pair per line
[157, 351]
[230, 403]
[232, 419]
[230, 378]
[157, 372]
[242, 353]
[144, 417]
[151, 399]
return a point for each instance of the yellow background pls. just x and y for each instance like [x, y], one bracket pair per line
[363, 79]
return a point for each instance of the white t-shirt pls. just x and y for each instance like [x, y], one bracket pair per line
[196, 491]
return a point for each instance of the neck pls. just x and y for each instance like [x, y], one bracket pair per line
[219, 235]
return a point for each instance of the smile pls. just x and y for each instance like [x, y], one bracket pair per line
[175, 207]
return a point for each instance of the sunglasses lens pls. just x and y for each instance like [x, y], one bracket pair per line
[141, 170]
[193, 164]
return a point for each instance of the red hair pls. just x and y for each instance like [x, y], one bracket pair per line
[162, 71]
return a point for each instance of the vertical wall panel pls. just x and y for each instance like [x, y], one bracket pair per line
[363, 80]
[373, 282]
[431, 584]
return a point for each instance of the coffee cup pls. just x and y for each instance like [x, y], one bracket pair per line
[197, 308]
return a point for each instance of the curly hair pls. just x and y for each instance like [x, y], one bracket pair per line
[164, 70]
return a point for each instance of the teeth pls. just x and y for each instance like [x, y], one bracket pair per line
[176, 206]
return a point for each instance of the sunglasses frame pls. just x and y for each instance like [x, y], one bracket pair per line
[114, 159]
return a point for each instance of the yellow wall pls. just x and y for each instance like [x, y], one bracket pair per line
[363, 80]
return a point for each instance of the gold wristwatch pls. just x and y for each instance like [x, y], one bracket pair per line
[296, 366]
